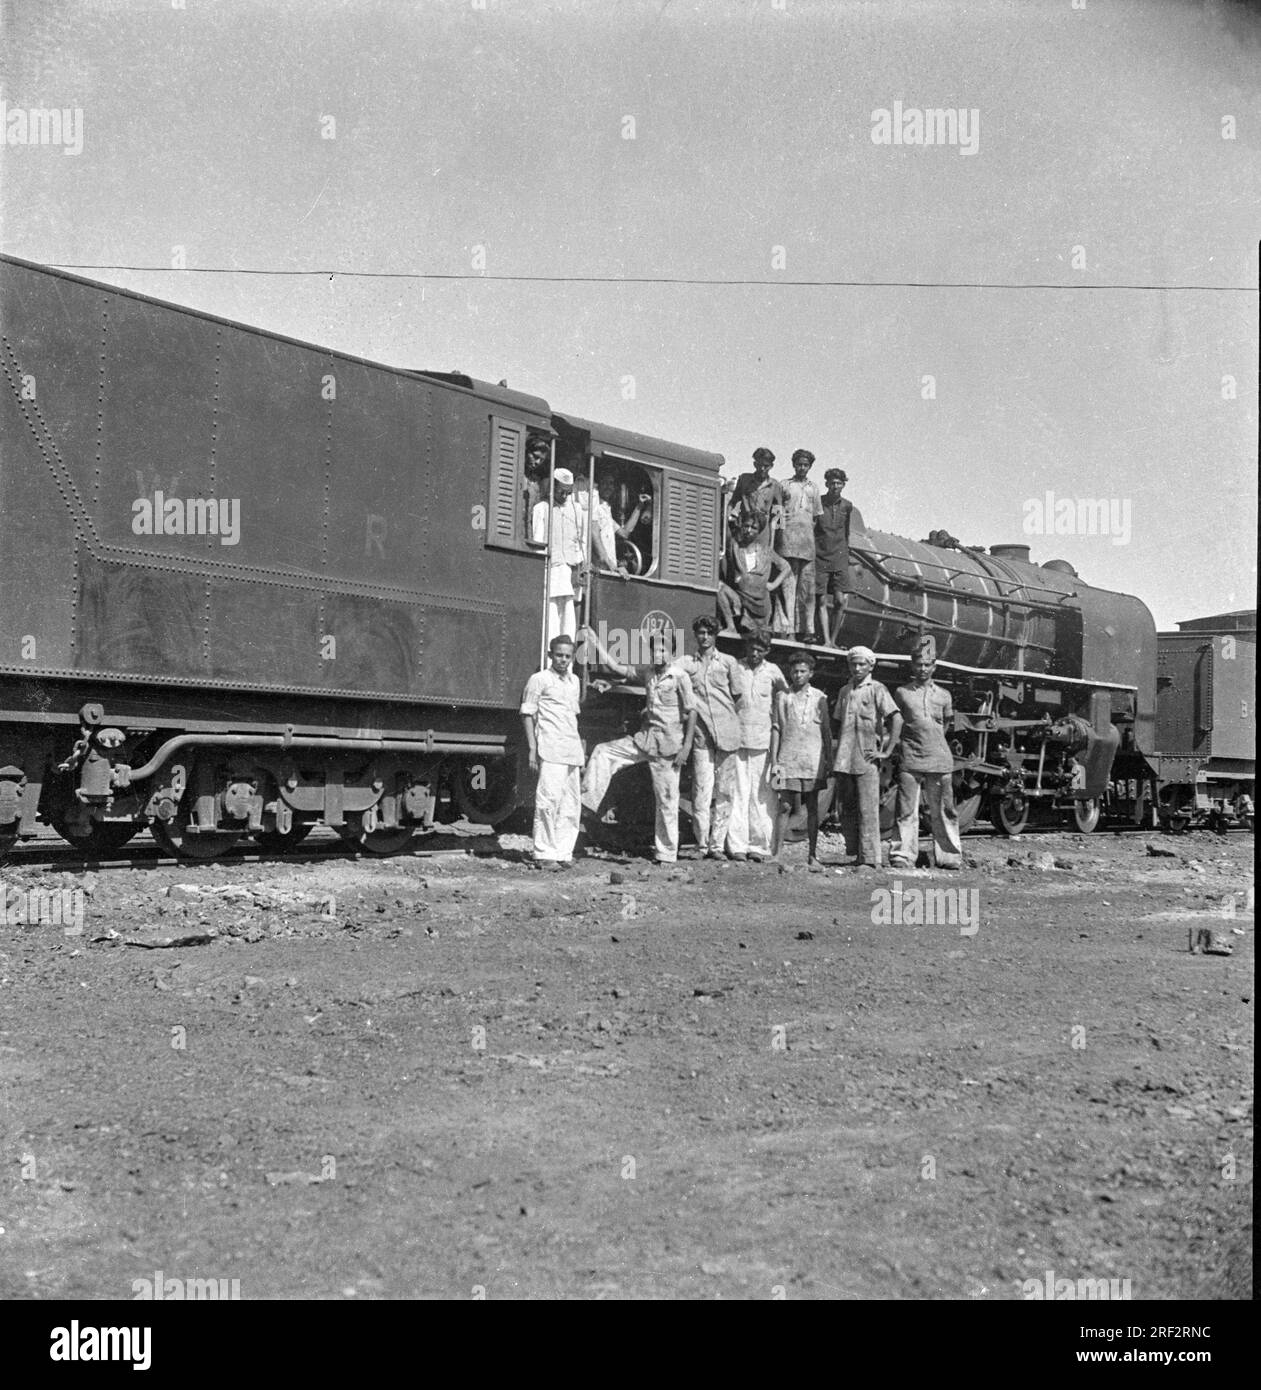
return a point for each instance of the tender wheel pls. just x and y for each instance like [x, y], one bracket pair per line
[487, 792]
[277, 842]
[1086, 814]
[174, 836]
[104, 837]
[1176, 822]
[1010, 814]
[379, 842]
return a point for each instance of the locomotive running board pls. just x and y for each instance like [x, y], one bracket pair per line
[901, 658]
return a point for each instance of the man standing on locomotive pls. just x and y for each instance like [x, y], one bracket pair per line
[605, 530]
[549, 712]
[927, 762]
[832, 577]
[758, 495]
[568, 552]
[713, 677]
[864, 712]
[797, 545]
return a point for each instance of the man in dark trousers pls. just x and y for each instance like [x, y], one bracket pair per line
[832, 579]
[867, 727]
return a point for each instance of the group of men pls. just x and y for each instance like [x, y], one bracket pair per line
[787, 563]
[736, 721]
[786, 560]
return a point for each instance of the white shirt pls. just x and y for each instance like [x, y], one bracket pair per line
[569, 527]
[554, 702]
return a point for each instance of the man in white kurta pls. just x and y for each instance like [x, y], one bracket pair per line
[753, 801]
[549, 711]
[568, 551]
[664, 740]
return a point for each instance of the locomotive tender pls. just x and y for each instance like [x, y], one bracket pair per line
[265, 585]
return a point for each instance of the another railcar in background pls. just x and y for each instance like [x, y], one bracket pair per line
[1206, 721]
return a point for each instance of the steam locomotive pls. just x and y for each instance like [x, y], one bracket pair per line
[263, 585]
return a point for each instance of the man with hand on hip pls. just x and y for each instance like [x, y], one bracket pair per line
[927, 763]
[664, 740]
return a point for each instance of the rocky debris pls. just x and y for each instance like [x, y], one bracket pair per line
[1037, 861]
[1160, 852]
[161, 943]
[1203, 941]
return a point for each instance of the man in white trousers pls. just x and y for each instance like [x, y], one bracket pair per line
[712, 674]
[754, 802]
[568, 553]
[549, 711]
[664, 740]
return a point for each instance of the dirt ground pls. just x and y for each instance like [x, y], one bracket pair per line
[456, 1077]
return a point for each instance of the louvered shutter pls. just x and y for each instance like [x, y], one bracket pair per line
[507, 481]
[691, 531]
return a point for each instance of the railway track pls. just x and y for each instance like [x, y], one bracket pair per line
[50, 854]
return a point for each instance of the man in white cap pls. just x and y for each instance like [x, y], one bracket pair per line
[568, 552]
[868, 725]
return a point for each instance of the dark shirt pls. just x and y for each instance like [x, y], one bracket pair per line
[752, 583]
[926, 718]
[831, 532]
[759, 500]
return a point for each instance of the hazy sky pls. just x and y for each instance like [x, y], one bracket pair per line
[504, 127]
